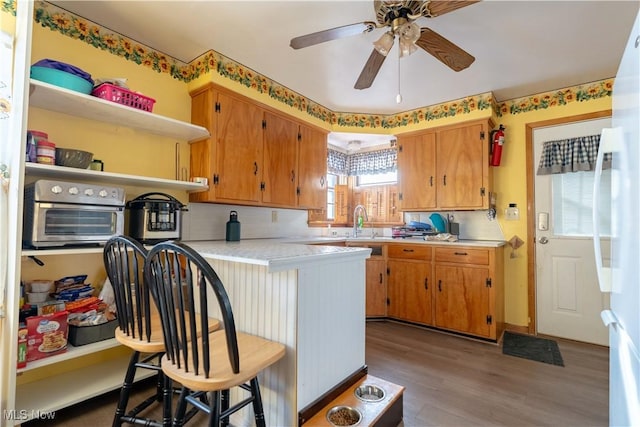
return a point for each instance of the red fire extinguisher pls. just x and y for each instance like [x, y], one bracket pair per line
[497, 141]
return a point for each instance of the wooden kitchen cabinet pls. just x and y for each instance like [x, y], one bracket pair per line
[409, 284]
[256, 156]
[376, 279]
[468, 295]
[445, 168]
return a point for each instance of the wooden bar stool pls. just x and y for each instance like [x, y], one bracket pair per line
[139, 328]
[208, 366]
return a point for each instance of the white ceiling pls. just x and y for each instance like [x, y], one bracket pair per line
[521, 47]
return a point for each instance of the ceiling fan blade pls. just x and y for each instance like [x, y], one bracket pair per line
[370, 70]
[446, 52]
[440, 7]
[332, 34]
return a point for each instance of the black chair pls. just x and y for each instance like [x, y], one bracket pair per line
[183, 284]
[139, 328]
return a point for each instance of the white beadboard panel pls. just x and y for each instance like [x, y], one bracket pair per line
[207, 221]
[331, 326]
[264, 304]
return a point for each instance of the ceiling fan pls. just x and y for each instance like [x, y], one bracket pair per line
[399, 16]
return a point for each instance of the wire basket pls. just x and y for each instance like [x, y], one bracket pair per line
[123, 96]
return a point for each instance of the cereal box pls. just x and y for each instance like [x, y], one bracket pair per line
[22, 345]
[46, 335]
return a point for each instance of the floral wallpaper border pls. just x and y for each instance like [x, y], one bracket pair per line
[57, 19]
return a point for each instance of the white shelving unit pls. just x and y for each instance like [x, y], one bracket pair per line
[58, 390]
[54, 98]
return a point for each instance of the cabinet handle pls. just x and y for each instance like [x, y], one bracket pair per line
[255, 168]
[293, 176]
[380, 278]
[322, 181]
[407, 250]
[426, 283]
[431, 181]
[444, 180]
[439, 285]
[460, 253]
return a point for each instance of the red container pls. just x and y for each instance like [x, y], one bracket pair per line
[46, 152]
[123, 96]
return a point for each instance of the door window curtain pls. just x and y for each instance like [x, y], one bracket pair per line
[365, 163]
[571, 155]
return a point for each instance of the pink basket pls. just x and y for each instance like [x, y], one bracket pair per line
[123, 96]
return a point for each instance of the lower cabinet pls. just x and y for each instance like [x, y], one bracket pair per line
[409, 293]
[453, 288]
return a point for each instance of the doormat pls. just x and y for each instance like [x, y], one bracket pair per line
[532, 348]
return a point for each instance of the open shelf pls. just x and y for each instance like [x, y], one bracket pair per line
[55, 98]
[71, 353]
[88, 175]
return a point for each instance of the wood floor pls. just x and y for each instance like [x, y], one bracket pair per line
[453, 381]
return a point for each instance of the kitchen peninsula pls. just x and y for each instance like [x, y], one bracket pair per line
[311, 299]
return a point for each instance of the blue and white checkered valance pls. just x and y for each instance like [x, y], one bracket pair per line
[364, 163]
[571, 155]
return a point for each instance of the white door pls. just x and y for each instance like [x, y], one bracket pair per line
[568, 299]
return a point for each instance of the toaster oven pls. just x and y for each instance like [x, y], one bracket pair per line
[59, 213]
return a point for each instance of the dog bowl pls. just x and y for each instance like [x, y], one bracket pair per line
[343, 416]
[73, 158]
[369, 393]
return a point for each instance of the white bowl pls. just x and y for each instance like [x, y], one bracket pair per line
[33, 297]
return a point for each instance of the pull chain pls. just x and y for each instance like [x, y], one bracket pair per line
[399, 96]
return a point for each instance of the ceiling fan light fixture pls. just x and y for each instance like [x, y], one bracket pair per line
[409, 31]
[406, 47]
[384, 44]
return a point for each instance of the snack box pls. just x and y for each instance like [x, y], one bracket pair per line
[22, 345]
[46, 335]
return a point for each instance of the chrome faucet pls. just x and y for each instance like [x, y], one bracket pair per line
[355, 218]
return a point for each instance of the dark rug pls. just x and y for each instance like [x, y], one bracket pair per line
[533, 348]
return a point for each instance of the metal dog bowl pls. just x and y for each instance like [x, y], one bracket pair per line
[344, 416]
[369, 393]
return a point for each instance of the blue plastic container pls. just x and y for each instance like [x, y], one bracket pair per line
[61, 78]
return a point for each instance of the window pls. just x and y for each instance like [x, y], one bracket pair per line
[381, 178]
[573, 203]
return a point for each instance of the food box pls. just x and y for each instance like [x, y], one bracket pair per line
[22, 346]
[46, 335]
[82, 335]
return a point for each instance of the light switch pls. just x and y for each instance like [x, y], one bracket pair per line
[512, 213]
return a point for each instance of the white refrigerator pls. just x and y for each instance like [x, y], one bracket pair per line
[623, 278]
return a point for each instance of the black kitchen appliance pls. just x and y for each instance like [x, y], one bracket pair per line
[155, 217]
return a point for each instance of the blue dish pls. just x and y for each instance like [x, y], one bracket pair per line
[61, 78]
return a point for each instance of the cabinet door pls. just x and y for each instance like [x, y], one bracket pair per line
[461, 167]
[341, 215]
[462, 299]
[409, 290]
[312, 168]
[376, 305]
[416, 171]
[279, 179]
[239, 149]
[203, 153]
[394, 214]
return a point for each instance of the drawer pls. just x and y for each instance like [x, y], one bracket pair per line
[421, 252]
[462, 255]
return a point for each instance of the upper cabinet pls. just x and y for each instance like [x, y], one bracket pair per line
[445, 168]
[256, 156]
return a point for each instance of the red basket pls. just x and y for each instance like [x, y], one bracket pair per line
[123, 96]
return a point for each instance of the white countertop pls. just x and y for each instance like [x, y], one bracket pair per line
[411, 240]
[276, 254]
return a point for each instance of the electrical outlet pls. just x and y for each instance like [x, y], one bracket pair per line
[274, 216]
[414, 217]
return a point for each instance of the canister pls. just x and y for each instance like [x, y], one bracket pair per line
[233, 227]
[33, 136]
[46, 152]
